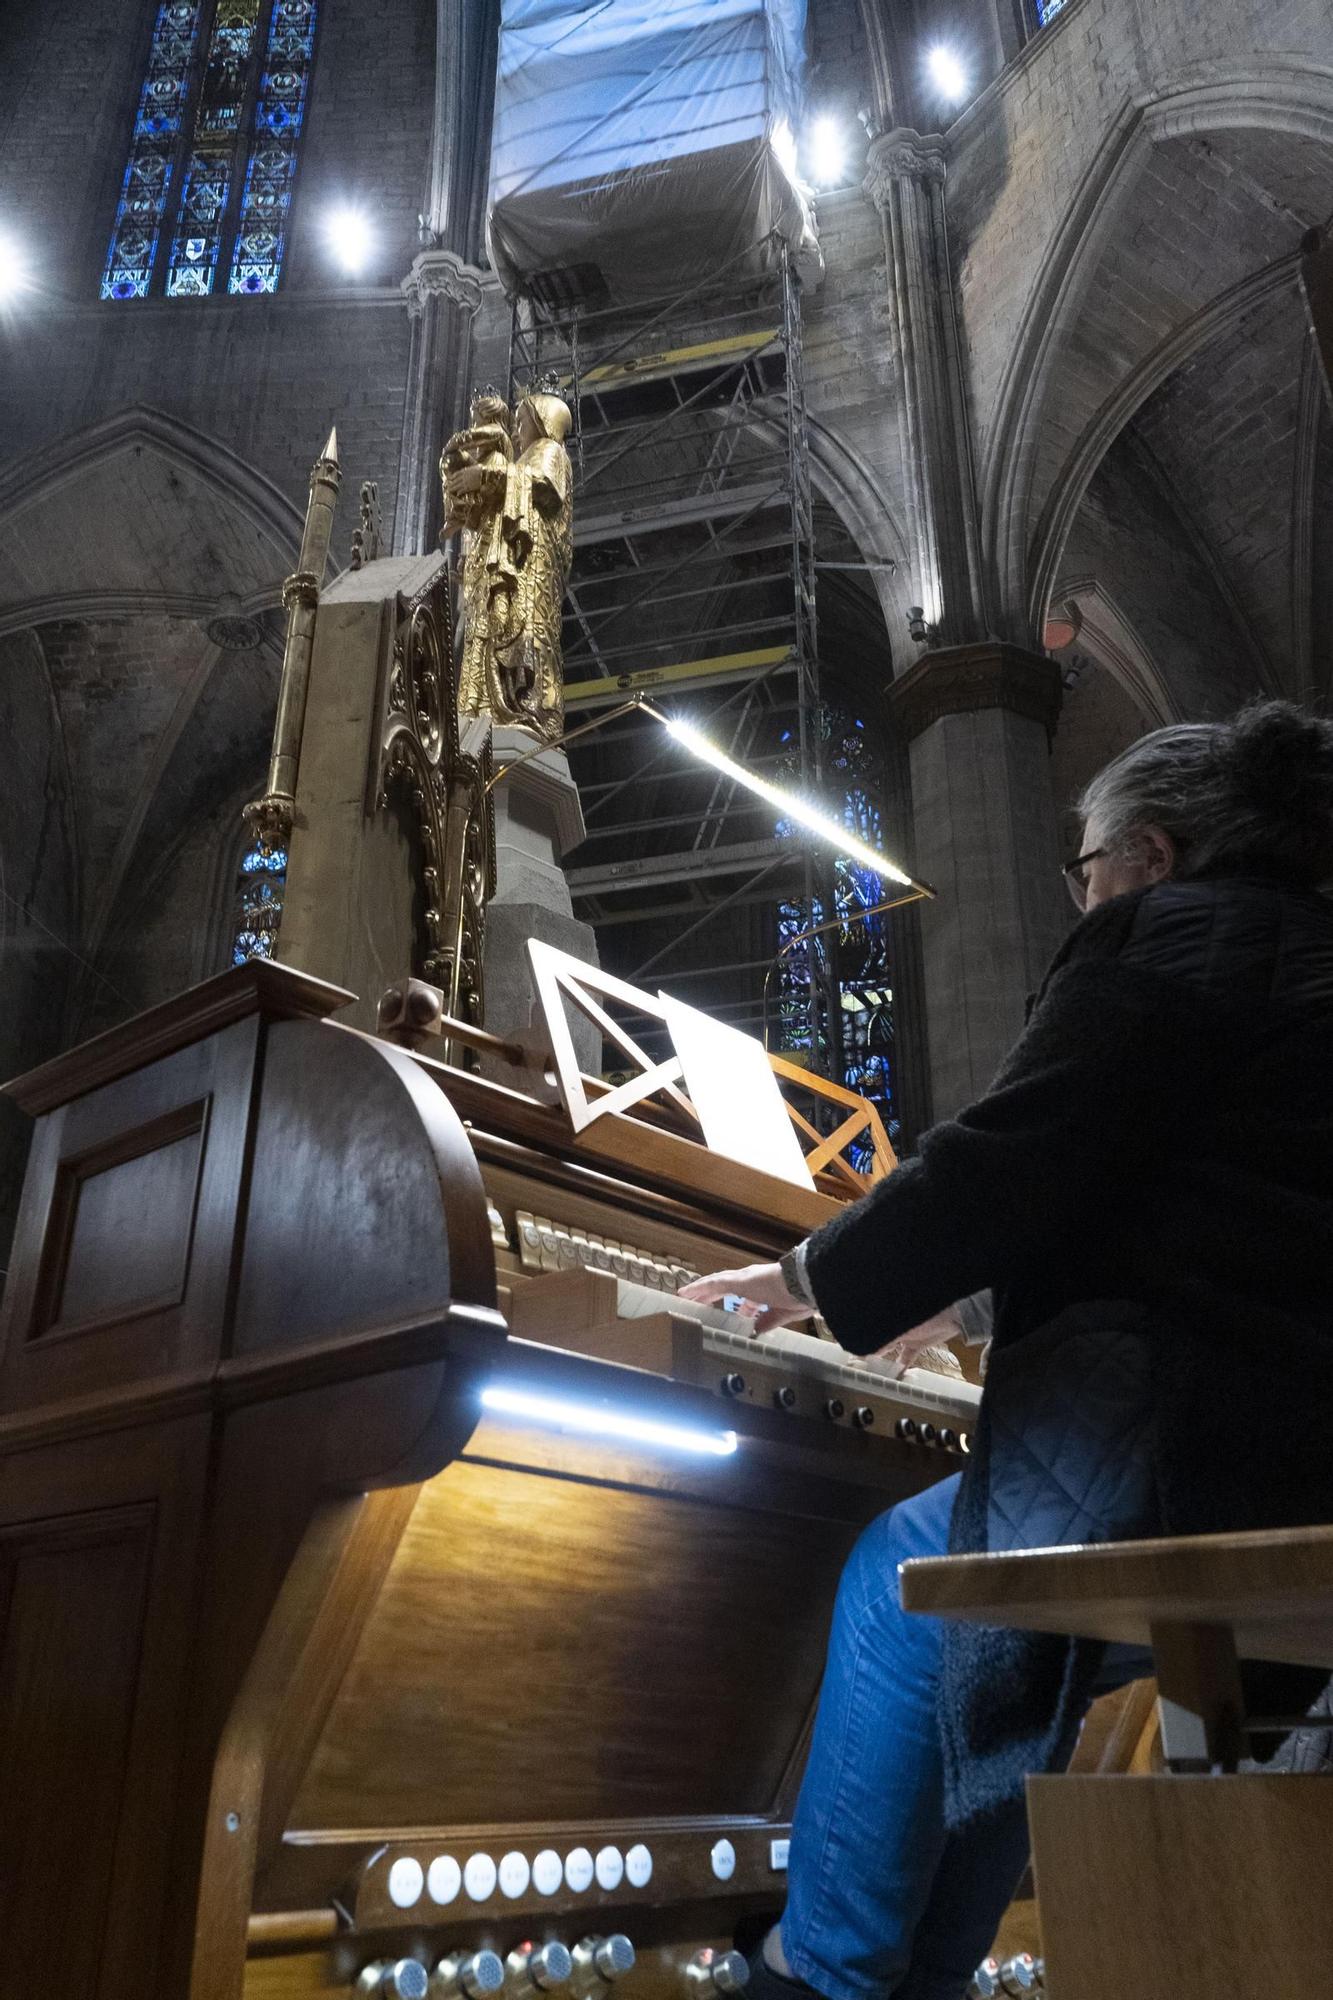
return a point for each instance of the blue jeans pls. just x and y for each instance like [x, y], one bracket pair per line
[880, 1899]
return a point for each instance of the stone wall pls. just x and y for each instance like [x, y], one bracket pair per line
[1128, 537]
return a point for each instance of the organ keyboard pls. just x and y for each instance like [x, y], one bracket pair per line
[593, 1312]
[425, 1599]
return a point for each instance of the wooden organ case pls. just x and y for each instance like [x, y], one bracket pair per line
[319, 1672]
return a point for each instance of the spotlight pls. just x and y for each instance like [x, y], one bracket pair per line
[349, 237]
[827, 152]
[13, 269]
[947, 74]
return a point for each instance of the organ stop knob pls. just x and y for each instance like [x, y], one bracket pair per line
[1020, 1974]
[536, 1968]
[605, 1959]
[398, 1978]
[713, 1972]
[473, 1974]
[985, 1982]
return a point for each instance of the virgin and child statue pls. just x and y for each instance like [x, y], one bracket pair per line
[507, 488]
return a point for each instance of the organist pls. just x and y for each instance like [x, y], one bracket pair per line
[1148, 1188]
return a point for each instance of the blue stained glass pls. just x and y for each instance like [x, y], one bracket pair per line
[864, 973]
[198, 238]
[261, 882]
[207, 182]
[279, 112]
[265, 860]
[157, 122]
[1047, 11]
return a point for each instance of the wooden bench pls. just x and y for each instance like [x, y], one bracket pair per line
[1200, 1882]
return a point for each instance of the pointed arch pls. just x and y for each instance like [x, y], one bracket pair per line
[1265, 95]
[144, 482]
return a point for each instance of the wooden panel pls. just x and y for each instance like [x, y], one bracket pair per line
[93, 1655]
[257, 987]
[353, 1150]
[1184, 1888]
[122, 1256]
[75, 1597]
[553, 1647]
[104, 1262]
[1275, 1587]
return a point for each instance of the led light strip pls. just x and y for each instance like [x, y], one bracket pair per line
[591, 1421]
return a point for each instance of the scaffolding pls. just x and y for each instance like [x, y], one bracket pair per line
[694, 575]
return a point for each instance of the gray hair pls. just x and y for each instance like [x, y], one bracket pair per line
[1253, 793]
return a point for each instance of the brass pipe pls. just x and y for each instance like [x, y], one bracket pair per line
[271, 815]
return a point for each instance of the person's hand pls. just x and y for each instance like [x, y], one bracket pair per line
[763, 1288]
[938, 1331]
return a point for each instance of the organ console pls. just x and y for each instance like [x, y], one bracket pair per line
[402, 1591]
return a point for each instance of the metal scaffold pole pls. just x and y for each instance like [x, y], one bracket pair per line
[694, 576]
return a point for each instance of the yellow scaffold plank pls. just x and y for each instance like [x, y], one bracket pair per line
[671, 360]
[685, 673]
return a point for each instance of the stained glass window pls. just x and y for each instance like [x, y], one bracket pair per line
[209, 170]
[260, 881]
[153, 144]
[184, 164]
[855, 959]
[279, 114]
[1047, 10]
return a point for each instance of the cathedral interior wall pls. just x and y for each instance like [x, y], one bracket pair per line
[1124, 200]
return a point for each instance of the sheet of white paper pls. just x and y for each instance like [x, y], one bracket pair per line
[735, 1093]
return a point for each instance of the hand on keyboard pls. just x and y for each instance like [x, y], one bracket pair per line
[761, 1288]
[901, 1354]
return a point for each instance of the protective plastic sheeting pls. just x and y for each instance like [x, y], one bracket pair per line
[641, 145]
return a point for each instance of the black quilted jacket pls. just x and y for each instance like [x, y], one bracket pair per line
[1148, 1188]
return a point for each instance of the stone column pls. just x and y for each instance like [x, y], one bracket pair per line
[905, 180]
[445, 286]
[978, 721]
[538, 819]
[443, 295]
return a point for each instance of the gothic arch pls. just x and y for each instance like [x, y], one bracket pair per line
[1023, 525]
[139, 513]
[844, 479]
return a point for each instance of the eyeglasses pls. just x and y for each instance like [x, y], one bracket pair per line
[1075, 873]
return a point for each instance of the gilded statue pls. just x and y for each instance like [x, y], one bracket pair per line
[508, 490]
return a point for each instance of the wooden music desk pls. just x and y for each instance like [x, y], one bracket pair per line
[1204, 1881]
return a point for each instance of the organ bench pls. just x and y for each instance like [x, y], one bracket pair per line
[1200, 1881]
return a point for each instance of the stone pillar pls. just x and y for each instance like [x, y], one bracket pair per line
[538, 819]
[443, 295]
[905, 180]
[978, 720]
[445, 286]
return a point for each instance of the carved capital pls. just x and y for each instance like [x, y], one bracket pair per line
[302, 587]
[270, 820]
[902, 155]
[960, 680]
[440, 274]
